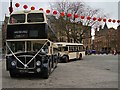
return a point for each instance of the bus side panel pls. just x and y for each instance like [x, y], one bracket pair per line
[83, 53]
[72, 55]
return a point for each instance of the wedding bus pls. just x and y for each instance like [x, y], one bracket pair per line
[28, 45]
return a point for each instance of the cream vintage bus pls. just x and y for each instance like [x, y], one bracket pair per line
[70, 51]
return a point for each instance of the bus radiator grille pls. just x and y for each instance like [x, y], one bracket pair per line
[25, 60]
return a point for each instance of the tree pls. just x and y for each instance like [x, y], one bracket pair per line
[77, 26]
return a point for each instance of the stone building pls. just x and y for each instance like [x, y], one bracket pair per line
[105, 39]
[87, 38]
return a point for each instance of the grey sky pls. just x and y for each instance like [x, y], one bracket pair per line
[109, 7]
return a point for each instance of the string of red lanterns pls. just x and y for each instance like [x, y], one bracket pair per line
[69, 15]
[55, 12]
[32, 8]
[109, 20]
[88, 18]
[76, 16]
[99, 19]
[82, 17]
[94, 18]
[25, 6]
[48, 11]
[114, 21]
[118, 21]
[41, 9]
[104, 20]
[62, 14]
[17, 5]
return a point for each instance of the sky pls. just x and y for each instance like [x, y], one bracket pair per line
[109, 7]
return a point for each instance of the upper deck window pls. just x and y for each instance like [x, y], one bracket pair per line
[17, 18]
[35, 17]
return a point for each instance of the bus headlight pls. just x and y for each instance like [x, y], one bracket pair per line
[13, 63]
[38, 70]
[38, 63]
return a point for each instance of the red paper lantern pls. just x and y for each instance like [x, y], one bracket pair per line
[104, 20]
[76, 16]
[82, 17]
[17, 5]
[25, 6]
[99, 19]
[94, 18]
[62, 14]
[109, 20]
[88, 18]
[32, 8]
[114, 21]
[41, 9]
[54, 12]
[118, 21]
[47, 11]
[69, 15]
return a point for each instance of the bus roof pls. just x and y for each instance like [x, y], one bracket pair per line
[11, 40]
[27, 11]
[65, 43]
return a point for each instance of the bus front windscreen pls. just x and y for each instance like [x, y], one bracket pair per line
[16, 46]
[17, 18]
[35, 17]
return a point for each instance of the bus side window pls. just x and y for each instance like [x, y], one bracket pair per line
[79, 48]
[65, 48]
[70, 48]
[83, 48]
[55, 50]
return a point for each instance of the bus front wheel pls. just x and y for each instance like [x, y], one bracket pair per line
[47, 71]
[12, 74]
[66, 59]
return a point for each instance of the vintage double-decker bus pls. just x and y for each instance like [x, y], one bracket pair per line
[69, 51]
[28, 45]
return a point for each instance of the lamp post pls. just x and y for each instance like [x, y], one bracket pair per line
[10, 8]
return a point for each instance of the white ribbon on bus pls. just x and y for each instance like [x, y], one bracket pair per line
[25, 65]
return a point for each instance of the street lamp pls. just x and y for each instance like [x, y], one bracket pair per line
[10, 8]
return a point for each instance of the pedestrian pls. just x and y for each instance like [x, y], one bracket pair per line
[114, 52]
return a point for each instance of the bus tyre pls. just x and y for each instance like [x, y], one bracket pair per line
[46, 75]
[66, 59]
[47, 72]
[56, 62]
[12, 74]
[80, 56]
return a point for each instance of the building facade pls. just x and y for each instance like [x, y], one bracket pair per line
[106, 40]
[87, 38]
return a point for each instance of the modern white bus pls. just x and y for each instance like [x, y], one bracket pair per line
[70, 51]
